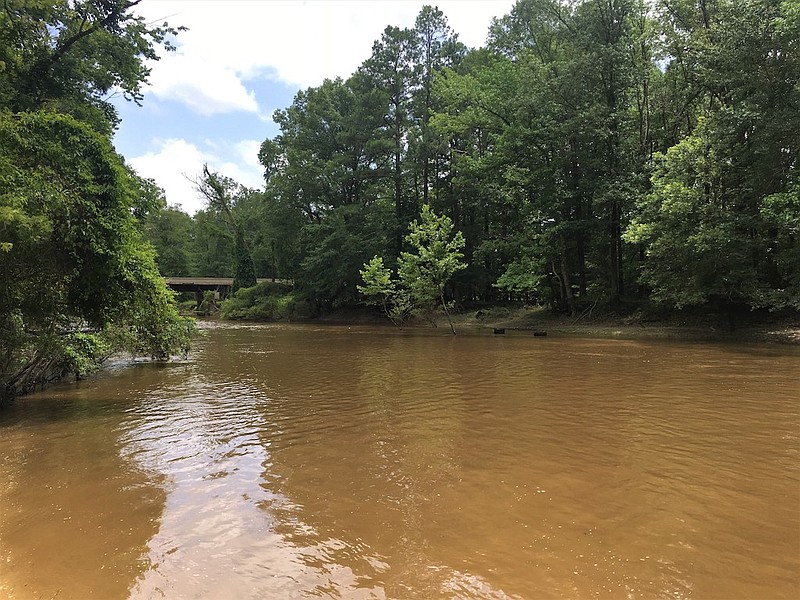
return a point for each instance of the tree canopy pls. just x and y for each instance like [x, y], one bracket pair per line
[79, 281]
[68, 55]
[612, 151]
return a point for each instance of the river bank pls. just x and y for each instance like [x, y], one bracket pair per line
[270, 301]
[701, 326]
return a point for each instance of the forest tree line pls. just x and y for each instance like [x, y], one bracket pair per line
[598, 150]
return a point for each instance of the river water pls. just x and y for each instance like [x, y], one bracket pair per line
[290, 461]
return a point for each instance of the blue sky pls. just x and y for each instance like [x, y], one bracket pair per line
[212, 100]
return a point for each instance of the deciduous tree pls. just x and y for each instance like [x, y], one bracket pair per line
[71, 256]
[422, 274]
[222, 193]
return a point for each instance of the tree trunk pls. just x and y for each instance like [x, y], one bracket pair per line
[565, 279]
[398, 183]
[446, 312]
[615, 253]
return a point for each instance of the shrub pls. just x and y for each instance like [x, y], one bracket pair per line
[267, 301]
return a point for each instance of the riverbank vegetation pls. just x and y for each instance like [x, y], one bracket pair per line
[79, 283]
[266, 301]
[422, 274]
[621, 155]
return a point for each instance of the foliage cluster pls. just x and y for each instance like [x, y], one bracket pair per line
[208, 305]
[593, 151]
[421, 275]
[79, 282]
[266, 301]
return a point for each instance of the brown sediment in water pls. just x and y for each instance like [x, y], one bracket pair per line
[356, 461]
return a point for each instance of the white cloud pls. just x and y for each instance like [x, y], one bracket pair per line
[298, 43]
[206, 88]
[248, 153]
[176, 163]
[234, 43]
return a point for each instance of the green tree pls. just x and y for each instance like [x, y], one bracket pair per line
[392, 69]
[273, 232]
[68, 55]
[222, 194]
[335, 249]
[580, 121]
[550, 131]
[78, 280]
[212, 249]
[438, 48]
[436, 258]
[72, 256]
[379, 288]
[421, 275]
[719, 226]
[323, 169]
[171, 232]
[478, 105]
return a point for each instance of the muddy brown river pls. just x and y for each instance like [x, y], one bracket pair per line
[297, 461]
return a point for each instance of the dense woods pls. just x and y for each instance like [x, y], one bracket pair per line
[612, 151]
[618, 152]
[78, 280]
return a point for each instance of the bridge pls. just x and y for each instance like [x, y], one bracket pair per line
[198, 285]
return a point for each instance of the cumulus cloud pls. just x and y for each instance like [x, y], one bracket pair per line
[247, 151]
[206, 88]
[175, 163]
[298, 43]
[233, 46]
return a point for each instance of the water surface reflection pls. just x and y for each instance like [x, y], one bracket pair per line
[297, 461]
[76, 509]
